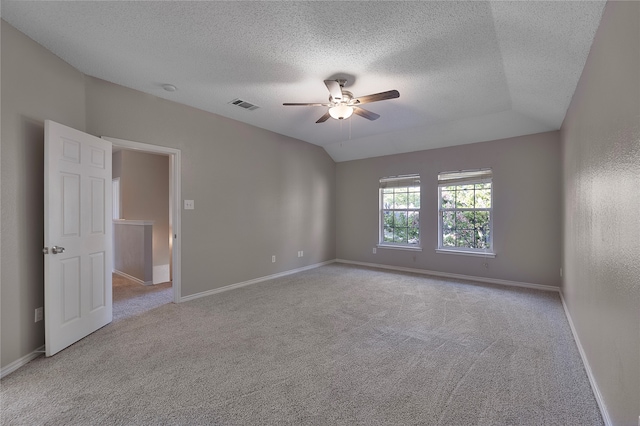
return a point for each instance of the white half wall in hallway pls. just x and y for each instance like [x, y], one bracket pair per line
[161, 274]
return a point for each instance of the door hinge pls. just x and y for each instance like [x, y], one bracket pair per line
[45, 250]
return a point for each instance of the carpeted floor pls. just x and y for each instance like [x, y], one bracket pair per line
[131, 298]
[333, 345]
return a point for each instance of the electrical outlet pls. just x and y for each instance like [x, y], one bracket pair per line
[374, 250]
[273, 259]
[189, 205]
[561, 277]
[486, 265]
[38, 314]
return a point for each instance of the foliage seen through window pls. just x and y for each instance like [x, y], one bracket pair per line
[401, 215]
[465, 215]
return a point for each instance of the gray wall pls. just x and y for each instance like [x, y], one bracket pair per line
[526, 215]
[601, 150]
[36, 85]
[144, 195]
[257, 193]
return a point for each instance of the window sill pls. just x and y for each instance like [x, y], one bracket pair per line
[397, 247]
[465, 253]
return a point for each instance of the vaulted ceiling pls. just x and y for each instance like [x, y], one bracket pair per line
[466, 71]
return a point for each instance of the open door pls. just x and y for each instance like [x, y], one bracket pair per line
[77, 235]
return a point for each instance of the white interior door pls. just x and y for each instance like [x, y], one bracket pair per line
[77, 235]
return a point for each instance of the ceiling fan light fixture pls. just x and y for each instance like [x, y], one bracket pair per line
[341, 112]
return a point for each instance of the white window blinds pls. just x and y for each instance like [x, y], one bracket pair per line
[406, 181]
[461, 177]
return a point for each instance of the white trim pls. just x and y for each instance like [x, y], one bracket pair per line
[21, 362]
[466, 253]
[585, 361]
[455, 276]
[399, 247]
[132, 278]
[161, 273]
[133, 222]
[253, 281]
[175, 212]
[116, 205]
[381, 209]
[441, 210]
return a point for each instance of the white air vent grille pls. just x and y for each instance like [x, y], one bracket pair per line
[244, 104]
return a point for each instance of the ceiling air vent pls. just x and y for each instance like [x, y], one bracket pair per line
[244, 104]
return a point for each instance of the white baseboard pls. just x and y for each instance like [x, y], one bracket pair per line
[21, 362]
[161, 274]
[454, 276]
[132, 278]
[585, 361]
[253, 281]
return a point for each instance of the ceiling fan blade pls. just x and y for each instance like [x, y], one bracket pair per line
[324, 118]
[334, 89]
[298, 104]
[391, 94]
[365, 113]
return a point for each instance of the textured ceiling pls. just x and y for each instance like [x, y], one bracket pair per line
[466, 71]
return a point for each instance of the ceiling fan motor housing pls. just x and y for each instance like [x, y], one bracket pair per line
[346, 98]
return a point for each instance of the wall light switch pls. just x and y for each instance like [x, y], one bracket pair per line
[189, 205]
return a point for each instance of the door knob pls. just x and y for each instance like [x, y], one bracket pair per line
[56, 249]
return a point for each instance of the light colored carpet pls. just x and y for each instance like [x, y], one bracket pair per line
[333, 345]
[131, 298]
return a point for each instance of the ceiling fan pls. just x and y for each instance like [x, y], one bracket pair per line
[342, 104]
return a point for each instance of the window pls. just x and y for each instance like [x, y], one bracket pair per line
[465, 211]
[400, 211]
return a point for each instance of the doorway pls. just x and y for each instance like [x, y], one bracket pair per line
[174, 161]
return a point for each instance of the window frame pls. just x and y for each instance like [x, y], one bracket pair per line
[482, 252]
[381, 210]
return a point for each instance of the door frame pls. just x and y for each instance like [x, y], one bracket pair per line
[175, 221]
